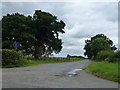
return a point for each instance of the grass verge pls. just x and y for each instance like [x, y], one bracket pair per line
[105, 70]
[28, 62]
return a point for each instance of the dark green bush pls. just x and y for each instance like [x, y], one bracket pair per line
[103, 55]
[114, 57]
[11, 57]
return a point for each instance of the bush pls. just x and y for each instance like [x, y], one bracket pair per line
[104, 55]
[10, 57]
[114, 58]
[29, 57]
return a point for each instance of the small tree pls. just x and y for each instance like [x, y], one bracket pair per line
[98, 43]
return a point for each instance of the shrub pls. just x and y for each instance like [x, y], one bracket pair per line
[93, 58]
[114, 58]
[104, 55]
[29, 57]
[10, 57]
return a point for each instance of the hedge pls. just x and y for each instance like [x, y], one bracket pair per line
[109, 56]
[114, 58]
[102, 55]
[10, 57]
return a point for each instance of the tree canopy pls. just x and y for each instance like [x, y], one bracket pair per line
[98, 43]
[37, 34]
[47, 29]
[17, 27]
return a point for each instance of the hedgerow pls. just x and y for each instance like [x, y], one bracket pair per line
[11, 57]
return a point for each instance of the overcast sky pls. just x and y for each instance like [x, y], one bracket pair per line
[83, 20]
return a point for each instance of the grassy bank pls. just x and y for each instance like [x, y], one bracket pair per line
[29, 61]
[104, 70]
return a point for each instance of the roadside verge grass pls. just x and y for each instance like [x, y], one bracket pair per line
[105, 70]
[30, 62]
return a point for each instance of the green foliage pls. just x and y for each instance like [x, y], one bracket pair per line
[104, 70]
[104, 55]
[108, 56]
[115, 57]
[37, 34]
[29, 61]
[97, 43]
[23, 63]
[29, 57]
[102, 36]
[17, 27]
[46, 29]
[10, 57]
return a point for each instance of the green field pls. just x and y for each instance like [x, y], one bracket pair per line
[104, 70]
[29, 61]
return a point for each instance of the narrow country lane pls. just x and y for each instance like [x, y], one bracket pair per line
[53, 76]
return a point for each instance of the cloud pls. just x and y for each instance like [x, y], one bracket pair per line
[83, 20]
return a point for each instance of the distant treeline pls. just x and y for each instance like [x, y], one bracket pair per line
[69, 56]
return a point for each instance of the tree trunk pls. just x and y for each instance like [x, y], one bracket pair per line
[39, 51]
[36, 55]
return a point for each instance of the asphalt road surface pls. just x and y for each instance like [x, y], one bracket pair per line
[59, 75]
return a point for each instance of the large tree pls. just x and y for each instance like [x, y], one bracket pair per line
[96, 44]
[46, 29]
[38, 35]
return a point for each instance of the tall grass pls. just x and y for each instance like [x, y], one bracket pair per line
[104, 70]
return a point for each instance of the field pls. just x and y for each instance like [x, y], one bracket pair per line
[29, 61]
[104, 70]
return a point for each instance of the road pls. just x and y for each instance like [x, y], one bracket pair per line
[53, 76]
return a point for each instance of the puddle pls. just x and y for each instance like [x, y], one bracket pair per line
[73, 72]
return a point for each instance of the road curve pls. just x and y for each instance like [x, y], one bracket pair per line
[53, 76]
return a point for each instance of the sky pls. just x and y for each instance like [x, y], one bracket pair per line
[83, 20]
